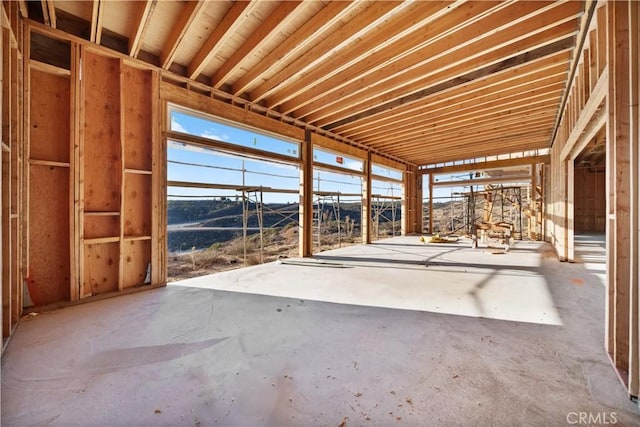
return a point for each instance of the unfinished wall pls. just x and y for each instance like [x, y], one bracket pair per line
[590, 202]
[583, 116]
[11, 177]
[93, 178]
[603, 97]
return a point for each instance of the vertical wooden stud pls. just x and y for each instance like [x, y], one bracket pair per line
[570, 211]
[366, 202]
[618, 146]
[79, 64]
[73, 172]
[123, 178]
[306, 197]
[158, 191]
[634, 95]
[430, 203]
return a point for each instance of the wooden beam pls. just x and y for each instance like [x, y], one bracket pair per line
[191, 184]
[391, 38]
[569, 213]
[457, 107]
[431, 203]
[585, 23]
[294, 44]
[280, 16]
[483, 72]
[587, 117]
[190, 12]
[619, 179]
[97, 9]
[24, 10]
[140, 25]
[525, 179]
[534, 112]
[367, 189]
[197, 102]
[548, 69]
[333, 145]
[447, 59]
[229, 148]
[465, 139]
[324, 49]
[49, 13]
[634, 73]
[486, 165]
[306, 198]
[209, 48]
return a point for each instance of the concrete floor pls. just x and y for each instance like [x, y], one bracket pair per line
[394, 333]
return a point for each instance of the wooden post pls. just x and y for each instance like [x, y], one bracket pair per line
[430, 203]
[417, 205]
[634, 95]
[306, 197]
[411, 202]
[366, 202]
[74, 172]
[620, 186]
[407, 203]
[570, 212]
[533, 207]
[3, 285]
[159, 189]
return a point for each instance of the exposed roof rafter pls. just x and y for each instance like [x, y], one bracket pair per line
[140, 25]
[230, 21]
[190, 11]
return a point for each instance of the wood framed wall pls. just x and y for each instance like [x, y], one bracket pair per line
[11, 57]
[590, 200]
[583, 116]
[192, 97]
[94, 167]
[603, 96]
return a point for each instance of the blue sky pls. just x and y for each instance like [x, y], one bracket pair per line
[221, 168]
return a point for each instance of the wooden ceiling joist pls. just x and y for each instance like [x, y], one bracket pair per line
[363, 54]
[413, 81]
[530, 75]
[446, 58]
[49, 13]
[486, 71]
[294, 44]
[277, 18]
[230, 21]
[324, 50]
[140, 25]
[398, 55]
[465, 138]
[442, 74]
[488, 164]
[97, 11]
[510, 104]
[190, 12]
[534, 114]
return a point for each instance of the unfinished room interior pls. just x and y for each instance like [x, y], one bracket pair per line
[503, 290]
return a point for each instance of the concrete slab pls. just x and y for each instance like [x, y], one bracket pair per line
[404, 273]
[188, 355]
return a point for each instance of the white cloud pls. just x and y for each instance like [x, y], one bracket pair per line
[177, 127]
[210, 134]
[353, 165]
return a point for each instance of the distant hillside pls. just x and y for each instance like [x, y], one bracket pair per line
[227, 213]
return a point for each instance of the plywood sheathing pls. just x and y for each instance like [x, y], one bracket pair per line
[48, 275]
